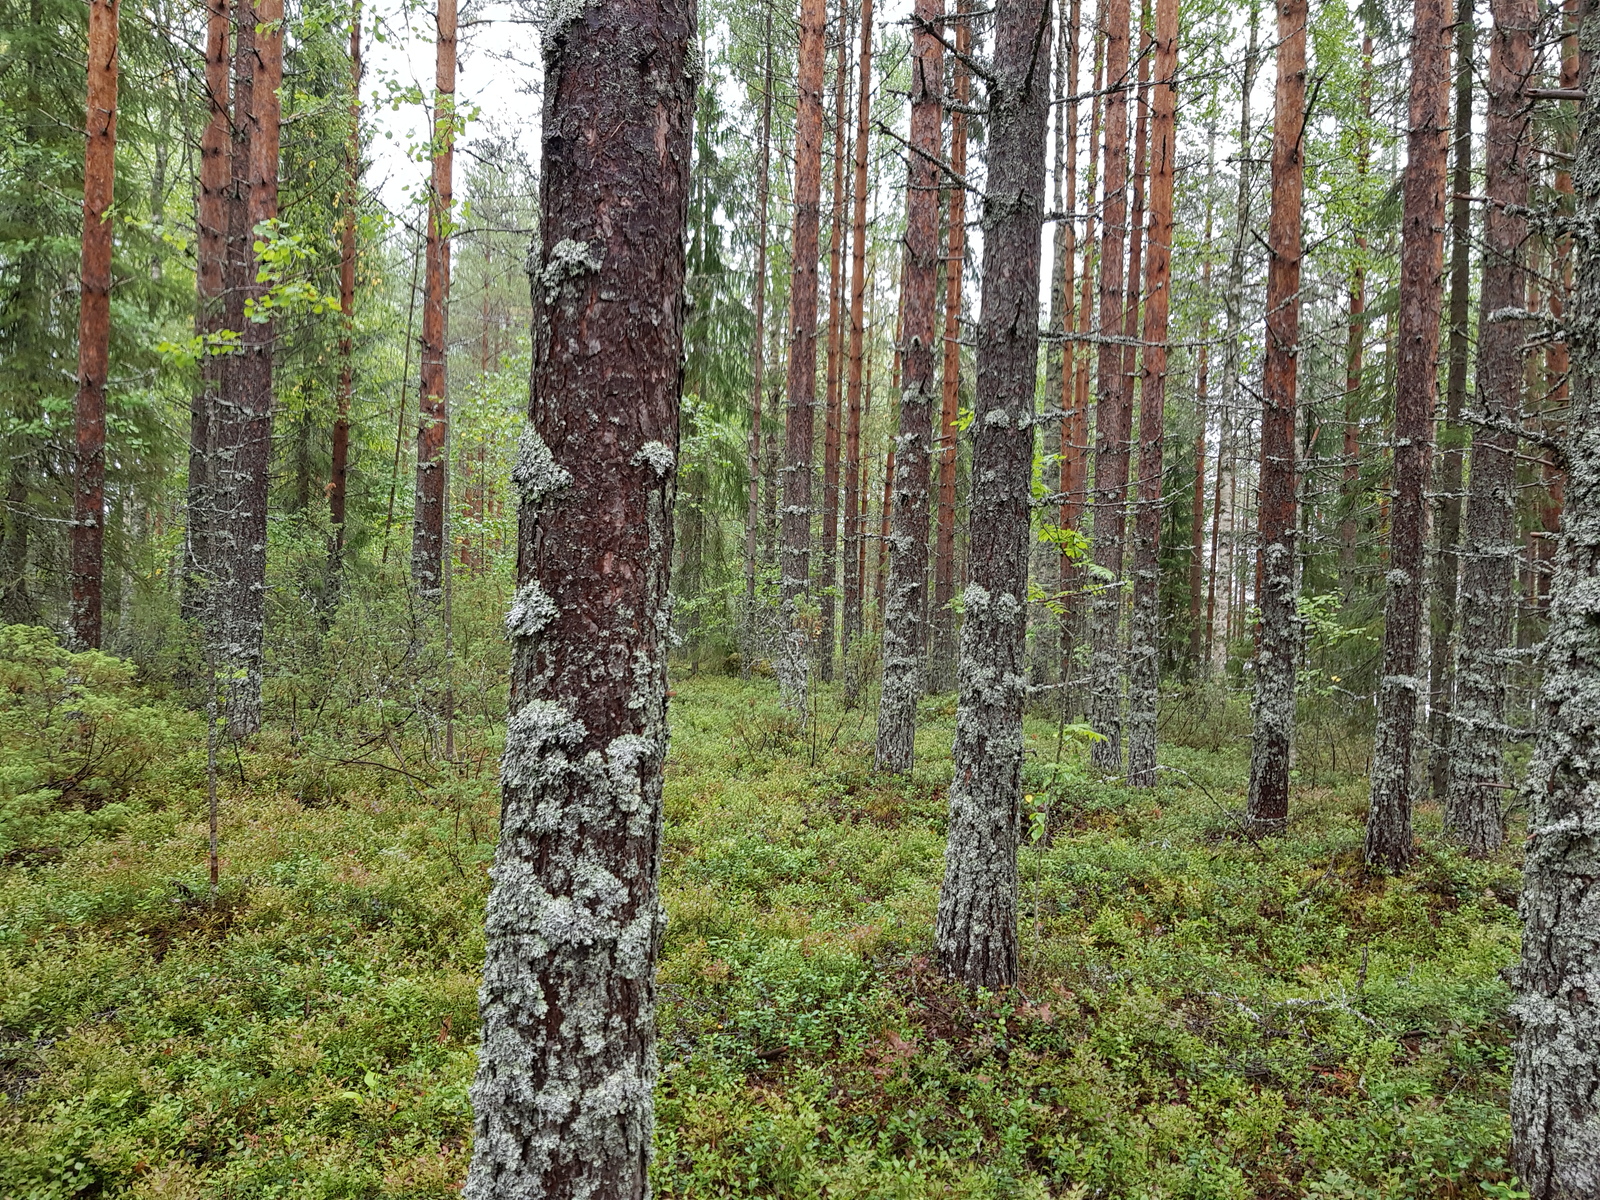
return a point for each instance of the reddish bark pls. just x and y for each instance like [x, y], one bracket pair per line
[94, 328]
[943, 658]
[1071, 450]
[1389, 841]
[850, 623]
[828, 551]
[427, 536]
[1273, 701]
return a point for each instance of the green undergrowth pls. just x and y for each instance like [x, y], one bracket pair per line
[1200, 1014]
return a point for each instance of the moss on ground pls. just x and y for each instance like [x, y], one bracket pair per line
[1200, 1015]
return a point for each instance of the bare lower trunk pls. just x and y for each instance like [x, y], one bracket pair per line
[1421, 260]
[562, 1098]
[1489, 550]
[1277, 646]
[905, 601]
[1113, 414]
[976, 931]
[850, 615]
[802, 376]
[94, 329]
[427, 533]
[1144, 671]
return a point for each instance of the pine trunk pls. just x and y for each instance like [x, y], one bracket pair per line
[828, 551]
[1198, 667]
[1278, 641]
[1416, 382]
[1490, 549]
[850, 616]
[339, 471]
[427, 531]
[1555, 1136]
[567, 1062]
[905, 603]
[799, 425]
[976, 930]
[94, 329]
[758, 360]
[1144, 666]
[1113, 414]
[942, 661]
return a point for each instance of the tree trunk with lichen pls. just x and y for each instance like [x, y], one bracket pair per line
[1416, 382]
[850, 609]
[1144, 668]
[1113, 416]
[1490, 549]
[1277, 645]
[94, 330]
[801, 402]
[566, 1065]
[976, 931]
[1555, 1133]
[903, 615]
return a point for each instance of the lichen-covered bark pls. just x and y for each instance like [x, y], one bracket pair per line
[799, 423]
[562, 1098]
[1555, 1121]
[905, 600]
[1452, 437]
[1389, 842]
[1277, 642]
[94, 328]
[1113, 415]
[1144, 669]
[1490, 547]
[976, 932]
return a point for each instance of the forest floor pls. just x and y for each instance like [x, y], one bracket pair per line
[1200, 1014]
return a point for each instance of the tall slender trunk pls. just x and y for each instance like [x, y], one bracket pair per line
[976, 931]
[1355, 352]
[758, 355]
[339, 472]
[243, 437]
[427, 531]
[1072, 450]
[567, 1061]
[1490, 550]
[1421, 261]
[1075, 460]
[799, 426]
[1112, 411]
[1452, 436]
[1144, 666]
[828, 550]
[903, 614]
[1278, 644]
[850, 617]
[942, 661]
[1197, 515]
[887, 508]
[1555, 1138]
[211, 252]
[94, 328]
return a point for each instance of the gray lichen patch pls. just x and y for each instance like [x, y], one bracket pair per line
[658, 455]
[537, 474]
[570, 259]
[531, 610]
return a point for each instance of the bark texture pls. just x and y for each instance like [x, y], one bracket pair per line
[339, 468]
[801, 403]
[1416, 383]
[850, 610]
[832, 426]
[427, 530]
[562, 1098]
[942, 660]
[1113, 413]
[758, 360]
[1277, 644]
[94, 329]
[906, 599]
[1490, 548]
[1555, 1125]
[1144, 668]
[976, 931]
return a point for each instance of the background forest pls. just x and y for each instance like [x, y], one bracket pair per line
[243, 849]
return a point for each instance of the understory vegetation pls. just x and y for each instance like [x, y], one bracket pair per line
[1200, 1013]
